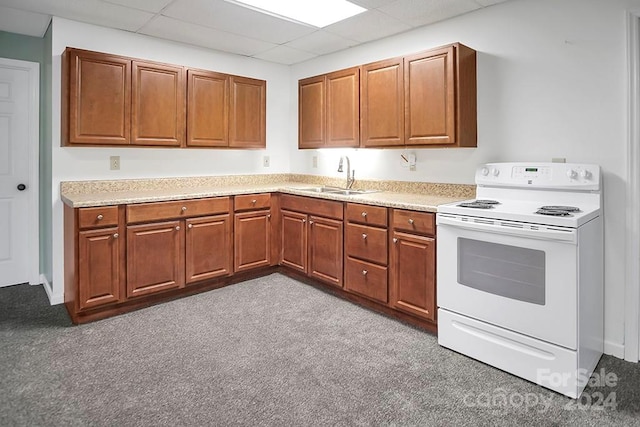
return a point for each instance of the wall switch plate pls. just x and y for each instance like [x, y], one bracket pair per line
[558, 160]
[266, 162]
[315, 161]
[114, 163]
[412, 162]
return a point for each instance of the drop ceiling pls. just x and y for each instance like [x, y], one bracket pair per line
[224, 26]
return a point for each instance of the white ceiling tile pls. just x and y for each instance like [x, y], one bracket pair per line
[237, 19]
[90, 11]
[171, 29]
[422, 12]
[485, 3]
[285, 55]
[321, 43]
[371, 4]
[367, 26]
[154, 6]
[23, 22]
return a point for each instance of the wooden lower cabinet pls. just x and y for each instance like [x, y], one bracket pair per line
[252, 240]
[207, 248]
[412, 274]
[325, 250]
[312, 238]
[294, 240]
[155, 258]
[100, 265]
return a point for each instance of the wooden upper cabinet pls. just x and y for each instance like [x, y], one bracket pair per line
[426, 99]
[329, 110]
[110, 100]
[96, 95]
[158, 105]
[382, 103]
[343, 108]
[311, 112]
[207, 109]
[247, 115]
[440, 97]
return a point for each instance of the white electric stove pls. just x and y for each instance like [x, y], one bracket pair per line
[520, 272]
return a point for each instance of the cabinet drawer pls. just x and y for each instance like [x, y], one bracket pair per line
[416, 222]
[252, 201]
[366, 214]
[144, 212]
[367, 243]
[366, 279]
[312, 206]
[102, 216]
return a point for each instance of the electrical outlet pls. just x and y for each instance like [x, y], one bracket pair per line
[315, 161]
[266, 162]
[114, 163]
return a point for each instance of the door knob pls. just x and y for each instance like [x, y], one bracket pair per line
[22, 187]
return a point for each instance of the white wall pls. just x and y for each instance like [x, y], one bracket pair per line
[551, 83]
[81, 163]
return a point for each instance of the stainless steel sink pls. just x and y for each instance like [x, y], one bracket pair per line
[336, 190]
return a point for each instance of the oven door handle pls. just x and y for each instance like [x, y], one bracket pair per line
[542, 232]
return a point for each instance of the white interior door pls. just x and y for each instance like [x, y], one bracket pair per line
[19, 132]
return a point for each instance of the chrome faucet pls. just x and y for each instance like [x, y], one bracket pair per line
[351, 175]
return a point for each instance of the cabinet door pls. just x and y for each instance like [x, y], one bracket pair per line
[343, 108]
[412, 274]
[311, 112]
[247, 114]
[155, 257]
[207, 248]
[207, 109]
[99, 99]
[252, 240]
[429, 82]
[382, 103]
[99, 267]
[294, 240]
[325, 250]
[158, 104]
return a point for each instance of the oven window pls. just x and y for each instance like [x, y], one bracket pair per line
[509, 271]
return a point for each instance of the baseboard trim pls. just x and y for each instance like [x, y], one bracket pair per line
[53, 298]
[614, 349]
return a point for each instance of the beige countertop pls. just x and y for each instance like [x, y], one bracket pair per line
[402, 195]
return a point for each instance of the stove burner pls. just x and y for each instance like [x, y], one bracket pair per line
[476, 205]
[553, 212]
[561, 208]
[487, 202]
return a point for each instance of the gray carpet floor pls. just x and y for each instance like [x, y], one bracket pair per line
[267, 352]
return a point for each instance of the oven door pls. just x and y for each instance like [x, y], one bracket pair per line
[518, 276]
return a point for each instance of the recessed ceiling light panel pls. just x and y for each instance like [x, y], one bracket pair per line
[318, 13]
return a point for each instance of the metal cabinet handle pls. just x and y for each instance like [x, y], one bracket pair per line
[395, 240]
[99, 217]
[190, 226]
[116, 235]
[364, 236]
[177, 228]
[310, 222]
[411, 221]
[269, 216]
[364, 214]
[364, 272]
[184, 208]
[304, 221]
[253, 202]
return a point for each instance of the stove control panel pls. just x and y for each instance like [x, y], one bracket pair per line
[576, 176]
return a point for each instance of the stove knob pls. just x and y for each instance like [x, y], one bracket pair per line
[571, 174]
[495, 171]
[585, 174]
[484, 171]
